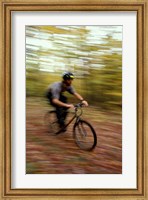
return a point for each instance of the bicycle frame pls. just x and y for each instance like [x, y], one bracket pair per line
[81, 128]
[77, 116]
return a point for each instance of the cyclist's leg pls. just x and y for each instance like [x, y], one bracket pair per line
[61, 111]
[60, 115]
[64, 110]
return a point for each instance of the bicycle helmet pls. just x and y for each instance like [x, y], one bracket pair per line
[68, 75]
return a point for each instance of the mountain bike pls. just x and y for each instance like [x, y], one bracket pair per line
[83, 133]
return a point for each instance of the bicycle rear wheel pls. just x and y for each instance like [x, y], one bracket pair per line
[51, 122]
[85, 135]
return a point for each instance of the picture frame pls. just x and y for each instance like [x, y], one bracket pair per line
[141, 192]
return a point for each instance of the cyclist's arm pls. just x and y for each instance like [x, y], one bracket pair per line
[78, 96]
[60, 103]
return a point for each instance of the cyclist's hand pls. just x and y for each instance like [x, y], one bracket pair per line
[70, 106]
[85, 103]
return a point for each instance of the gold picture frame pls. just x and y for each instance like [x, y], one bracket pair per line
[141, 7]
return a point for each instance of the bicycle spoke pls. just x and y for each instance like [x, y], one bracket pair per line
[85, 136]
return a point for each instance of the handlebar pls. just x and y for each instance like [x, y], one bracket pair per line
[78, 110]
[78, 105]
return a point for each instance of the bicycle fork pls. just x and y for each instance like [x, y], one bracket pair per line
[81, 129]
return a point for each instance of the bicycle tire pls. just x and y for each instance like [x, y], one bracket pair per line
[51, 122]
[84, 135]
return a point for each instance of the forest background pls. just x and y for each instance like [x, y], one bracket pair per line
[92, 53]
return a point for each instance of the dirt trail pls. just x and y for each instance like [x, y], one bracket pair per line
[48, 154]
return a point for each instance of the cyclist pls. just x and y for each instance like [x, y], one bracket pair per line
[55, 95]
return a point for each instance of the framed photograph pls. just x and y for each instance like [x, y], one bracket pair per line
[73, 100]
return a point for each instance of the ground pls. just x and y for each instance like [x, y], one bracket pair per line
[58, 154]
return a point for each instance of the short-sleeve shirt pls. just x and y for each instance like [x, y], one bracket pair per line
[56, 90]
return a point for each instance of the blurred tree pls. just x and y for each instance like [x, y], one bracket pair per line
[95, 60]
[105, 83]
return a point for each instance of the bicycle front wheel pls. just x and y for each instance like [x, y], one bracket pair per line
[84, 135]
